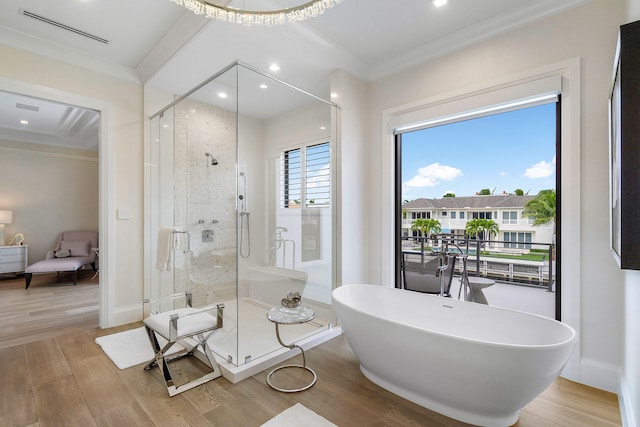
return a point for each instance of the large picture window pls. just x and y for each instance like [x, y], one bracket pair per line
[461, 164]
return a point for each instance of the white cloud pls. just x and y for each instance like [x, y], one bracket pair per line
[422, 181]
[541, 169]
[433, 174]
[503, 173]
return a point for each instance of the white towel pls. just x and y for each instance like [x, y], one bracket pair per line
[165, 244]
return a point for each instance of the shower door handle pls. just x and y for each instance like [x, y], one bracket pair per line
[188, 239]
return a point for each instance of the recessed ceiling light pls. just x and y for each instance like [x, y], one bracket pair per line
[263, 86]
[439, 3]
[274, 67]
[24, 122]
[334, 95]
[323, 127]
[222, 95]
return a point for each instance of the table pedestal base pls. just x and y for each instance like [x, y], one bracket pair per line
[292, 390]
[280, 316]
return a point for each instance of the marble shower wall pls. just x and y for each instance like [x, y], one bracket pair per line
[205, 200]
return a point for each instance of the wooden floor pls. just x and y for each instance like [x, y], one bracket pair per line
[66, 380]
[51, 306]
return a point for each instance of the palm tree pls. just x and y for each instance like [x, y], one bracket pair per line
[490, 226]
[426, 225]
[477, 226]
[542, 209]
[473, 227]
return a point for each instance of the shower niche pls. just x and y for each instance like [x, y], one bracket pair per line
[242, 169]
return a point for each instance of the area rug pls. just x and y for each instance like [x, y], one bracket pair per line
[129, 348]
[298, 416]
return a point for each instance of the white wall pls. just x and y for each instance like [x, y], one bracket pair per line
[355, 225]
[122, 103]
[588, 32]
[630, 376]
[50, 190]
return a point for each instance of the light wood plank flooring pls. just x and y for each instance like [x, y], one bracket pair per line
[51, 306]
[66, 380]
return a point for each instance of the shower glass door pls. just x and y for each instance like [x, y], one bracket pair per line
[285, 208]
[193, 192]
[242, 171]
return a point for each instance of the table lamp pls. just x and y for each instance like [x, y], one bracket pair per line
[5, 218]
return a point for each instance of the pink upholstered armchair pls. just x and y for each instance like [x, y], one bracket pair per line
[73, 250]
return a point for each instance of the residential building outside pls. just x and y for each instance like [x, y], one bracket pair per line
[453, 213]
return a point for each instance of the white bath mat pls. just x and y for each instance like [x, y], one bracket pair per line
[129, 348]
[298, 416]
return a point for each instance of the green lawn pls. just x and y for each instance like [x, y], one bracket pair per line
[531, 256]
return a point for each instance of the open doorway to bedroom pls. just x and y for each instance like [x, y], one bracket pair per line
[50, 175]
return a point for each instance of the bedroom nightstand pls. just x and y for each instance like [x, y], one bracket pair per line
[13, 259]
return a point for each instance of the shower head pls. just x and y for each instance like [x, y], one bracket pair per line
[213, 160]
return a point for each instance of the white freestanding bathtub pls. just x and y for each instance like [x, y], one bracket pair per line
[472, 362]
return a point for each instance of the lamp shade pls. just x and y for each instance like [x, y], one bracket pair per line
[6, 217]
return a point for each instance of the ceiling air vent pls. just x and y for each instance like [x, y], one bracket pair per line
[63, 26]
[27, 107]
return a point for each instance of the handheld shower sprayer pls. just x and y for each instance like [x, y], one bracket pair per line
[242, 208]
[214, 161]
[244, 214]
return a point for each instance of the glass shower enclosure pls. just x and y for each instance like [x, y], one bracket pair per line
[242, 175]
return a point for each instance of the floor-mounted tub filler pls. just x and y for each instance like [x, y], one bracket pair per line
[472, 362]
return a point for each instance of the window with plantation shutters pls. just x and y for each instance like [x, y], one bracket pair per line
[317, 175]
[291, 179]
[306, 176]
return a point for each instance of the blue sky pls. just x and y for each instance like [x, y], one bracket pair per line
[502, 151]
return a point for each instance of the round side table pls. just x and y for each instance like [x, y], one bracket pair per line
[291, 316]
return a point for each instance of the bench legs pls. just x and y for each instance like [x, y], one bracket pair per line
[74, 276]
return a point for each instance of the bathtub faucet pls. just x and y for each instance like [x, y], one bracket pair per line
[279, 231]
[441, 271]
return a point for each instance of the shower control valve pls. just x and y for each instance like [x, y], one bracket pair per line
[207, 236]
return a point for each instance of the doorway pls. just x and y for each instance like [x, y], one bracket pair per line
[478, 180]
[85, 114]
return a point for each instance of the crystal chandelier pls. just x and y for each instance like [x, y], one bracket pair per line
[268, 18]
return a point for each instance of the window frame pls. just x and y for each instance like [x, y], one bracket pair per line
[284, 198]
[562, 78]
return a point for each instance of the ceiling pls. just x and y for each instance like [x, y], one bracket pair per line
[160, 44]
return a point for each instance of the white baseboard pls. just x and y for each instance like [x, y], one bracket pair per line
[626, 404]
[604, 376]
[123, 315]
